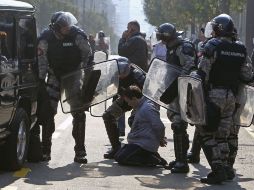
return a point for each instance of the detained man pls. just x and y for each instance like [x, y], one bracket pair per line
[146, 135]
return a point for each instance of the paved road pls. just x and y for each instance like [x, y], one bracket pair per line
[61, 173]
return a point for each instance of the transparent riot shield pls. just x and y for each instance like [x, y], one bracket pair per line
[99, 109]
[161, 83]
[100, 56]
[244, 106]
[192, 100]
[89, 86]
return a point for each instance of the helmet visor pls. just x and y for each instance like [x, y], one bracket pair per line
[208, 30]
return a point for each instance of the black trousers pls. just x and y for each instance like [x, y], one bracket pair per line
[132, 154]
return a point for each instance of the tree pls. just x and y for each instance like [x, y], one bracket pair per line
[188, 12]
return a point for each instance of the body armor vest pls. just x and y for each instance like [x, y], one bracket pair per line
[64, 56]
[225, 71]
[172, 58]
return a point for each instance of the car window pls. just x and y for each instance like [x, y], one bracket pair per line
[7, 36]
[27, 40]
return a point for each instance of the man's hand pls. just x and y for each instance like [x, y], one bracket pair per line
[163, 142]
[125, 34]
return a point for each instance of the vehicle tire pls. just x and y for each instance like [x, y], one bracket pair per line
[15, 148]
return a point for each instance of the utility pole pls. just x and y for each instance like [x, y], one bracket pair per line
[250, 26]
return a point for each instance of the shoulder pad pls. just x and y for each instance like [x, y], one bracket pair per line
[76, 30]
[210, 47]
[188, 48]
[45, 34]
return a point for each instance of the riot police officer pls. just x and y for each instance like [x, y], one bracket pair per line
[180, 52]
[63, 48]
[222, 66]
[128, 75]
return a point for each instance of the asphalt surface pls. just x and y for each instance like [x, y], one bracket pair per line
[61, 173]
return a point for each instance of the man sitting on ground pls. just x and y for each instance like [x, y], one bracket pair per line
[147, 132]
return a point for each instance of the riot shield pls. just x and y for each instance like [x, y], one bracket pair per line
[99, 109]
[192, 100]
[89, 86]
[244, 106]
[100, 56]
[161, 83]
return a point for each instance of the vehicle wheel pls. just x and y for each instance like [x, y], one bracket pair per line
[15, 148]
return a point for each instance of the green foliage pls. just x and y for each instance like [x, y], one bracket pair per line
[188, 12]
[91, 22]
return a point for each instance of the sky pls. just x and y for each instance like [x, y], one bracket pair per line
[127, 10]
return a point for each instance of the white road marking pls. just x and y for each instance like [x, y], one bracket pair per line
[9, 188]
[55, 135]
[165, 120]
[250, 131]
[65, 124]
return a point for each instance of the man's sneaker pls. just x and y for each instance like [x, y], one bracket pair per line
[111, 153]
[46, 157]
[180, 167]
[192, 158]
[80, 157]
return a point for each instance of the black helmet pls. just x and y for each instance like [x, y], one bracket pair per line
[55, 16]
[166, 32]
[101, 34]
[123, 66]
[62, 19]
[223, 25]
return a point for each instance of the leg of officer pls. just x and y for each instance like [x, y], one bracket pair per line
[194, 155]
[48, 126]
[233, 148]
[110, 117]
[72, 90]
[181, 143]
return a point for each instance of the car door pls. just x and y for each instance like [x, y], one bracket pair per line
[8, 66]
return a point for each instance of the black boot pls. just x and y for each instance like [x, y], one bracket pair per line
[194, 155]
[47, 132]
[180, 147]
[113, 135]
[78, 133]
[80, 157]
[217, 176]
[229, 172]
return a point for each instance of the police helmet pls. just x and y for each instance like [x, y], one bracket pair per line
[101, 34]
[55, 16]
[167, 32]
[123, 66]
[63, 19]
[223, 25]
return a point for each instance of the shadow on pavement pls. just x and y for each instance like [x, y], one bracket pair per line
[153, 177]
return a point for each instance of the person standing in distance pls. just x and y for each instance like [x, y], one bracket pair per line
[133, 45]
